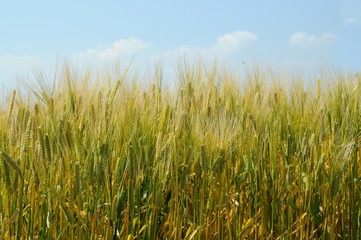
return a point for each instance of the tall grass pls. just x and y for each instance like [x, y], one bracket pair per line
[216, 157]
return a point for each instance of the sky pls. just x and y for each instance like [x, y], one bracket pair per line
[287, 34]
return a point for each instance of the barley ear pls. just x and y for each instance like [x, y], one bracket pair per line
[205, 163]
[77, 181]
[12, 163]
[11, 106]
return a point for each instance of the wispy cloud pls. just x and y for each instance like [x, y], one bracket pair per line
[351, 21]
[225, 46]
[13, 61]
[11, 65]
[302, 39]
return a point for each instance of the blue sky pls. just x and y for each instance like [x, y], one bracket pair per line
[291, 34]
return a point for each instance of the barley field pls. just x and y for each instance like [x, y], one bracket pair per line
[116, 155]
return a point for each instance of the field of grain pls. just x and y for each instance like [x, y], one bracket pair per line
[217, 156]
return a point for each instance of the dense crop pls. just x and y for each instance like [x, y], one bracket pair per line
[217, 157]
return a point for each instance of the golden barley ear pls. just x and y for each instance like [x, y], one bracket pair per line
[97, 164]
[11, 106]
[159, 145]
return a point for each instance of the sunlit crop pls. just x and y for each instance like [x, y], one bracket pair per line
[262, 155]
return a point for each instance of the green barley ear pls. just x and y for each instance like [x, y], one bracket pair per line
[41, 141]
[12, 163]
[100, 103]
[118, 169]
[79, 147]
[336, 182]
[189, 156]
[315, 207]
[25, 119]
[77, 180]
[183, 175]
[15, 183]
[131, 163]
[51, 216]
[101, 159]
[181, 126]
[26, 136]
[198, 168]
[232, 151]
[6, 174]
[61, 133]
[48, 149]
[69, 134]
[158, 198]
[90, 168]
[113, 92]
[218, 166]
[121, 203]
[104, 154]
[114, 209]
[205, 161]
[36, 109]
[35, 176]
[249, 167]
[290, 174]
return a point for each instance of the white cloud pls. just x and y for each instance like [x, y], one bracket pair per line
[301, 39]
[226, 46]
[122, 48]
[233, 42]
[351, 21]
